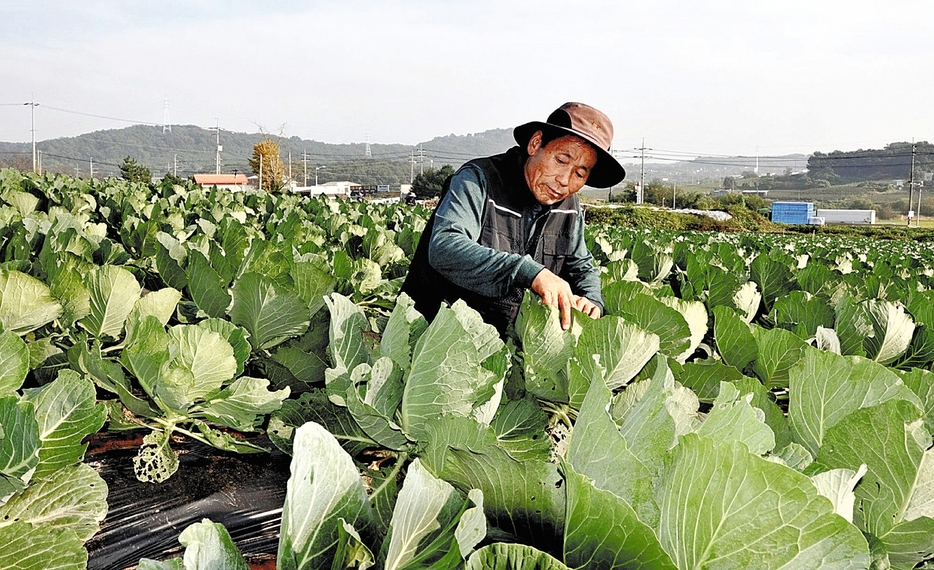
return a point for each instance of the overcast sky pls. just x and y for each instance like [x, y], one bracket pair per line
[712, 77]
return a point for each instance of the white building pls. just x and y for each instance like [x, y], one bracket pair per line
[341, 188]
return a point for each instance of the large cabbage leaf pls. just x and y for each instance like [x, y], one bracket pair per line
[546, 348]
[502, 556]
[347, 347]
[733, 418]
[14, 362]
[207, 288]
[892, 331]
[778, 351]
[624, 348]
[722, 506]
[600, 452]
[28, 547]
[72, 498]
[26, 303]
[208, 546]
[659, 318]
[373, 398]
[448, 375]
[426, 529]
[524, 498]
[735, 341]
[324, 488]
[19, 445]
[403, 329]
[921, 382]
[895, 500]
[114, 292]
[826, 387]
[269, 312]
[603, 530]
[66, 411]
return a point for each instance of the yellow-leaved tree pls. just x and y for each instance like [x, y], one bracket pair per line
[266, 158]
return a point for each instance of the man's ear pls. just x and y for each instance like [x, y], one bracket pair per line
[535, 143]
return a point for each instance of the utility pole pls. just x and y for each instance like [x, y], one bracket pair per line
[412, 175]
[166, 125]
[641, 193]
[91, 162]
[674, 194]
[260, 172]
[217, 130]
[305, 165]
[918, 215]
[32, 103]
[911, 181]
[175, 166]
[290, 166]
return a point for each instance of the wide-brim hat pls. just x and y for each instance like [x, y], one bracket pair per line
[589, 124]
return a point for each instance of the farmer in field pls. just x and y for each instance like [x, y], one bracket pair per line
[513, 221]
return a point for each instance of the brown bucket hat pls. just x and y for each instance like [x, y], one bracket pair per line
[589, 124]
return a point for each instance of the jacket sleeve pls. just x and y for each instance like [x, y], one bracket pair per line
[454, 251]
[579, 269]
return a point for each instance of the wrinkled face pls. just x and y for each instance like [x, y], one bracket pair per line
[559, 169]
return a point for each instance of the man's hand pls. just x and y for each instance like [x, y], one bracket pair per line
[556, 292]
[586, 306]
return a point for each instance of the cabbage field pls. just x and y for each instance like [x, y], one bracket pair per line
[748, 401]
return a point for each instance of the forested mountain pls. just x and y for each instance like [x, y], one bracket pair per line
[188, 149]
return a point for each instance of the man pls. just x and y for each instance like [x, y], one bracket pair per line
[513, 221]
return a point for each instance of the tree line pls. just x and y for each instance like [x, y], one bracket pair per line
[891, 163]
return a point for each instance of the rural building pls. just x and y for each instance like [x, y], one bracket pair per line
[847, 216]
[792, 212]
[341, 189]
[234, 182]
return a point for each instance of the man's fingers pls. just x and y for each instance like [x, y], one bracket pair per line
[564, 306]
[555, 291]
[586, 306]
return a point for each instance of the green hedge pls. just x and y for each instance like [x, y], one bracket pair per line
[743, 219]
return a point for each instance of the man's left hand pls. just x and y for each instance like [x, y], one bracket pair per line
[586, 306]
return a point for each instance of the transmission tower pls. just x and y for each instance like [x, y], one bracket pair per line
[166, 126]
[368, 154]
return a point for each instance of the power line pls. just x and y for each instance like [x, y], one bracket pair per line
[59, 109]
[78, 159]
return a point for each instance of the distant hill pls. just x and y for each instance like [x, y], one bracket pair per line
[715, 168]
[188, 149]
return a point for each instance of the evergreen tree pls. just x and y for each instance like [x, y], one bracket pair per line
[428, 184]
[132, 171]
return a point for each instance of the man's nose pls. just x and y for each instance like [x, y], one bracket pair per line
[563, 177]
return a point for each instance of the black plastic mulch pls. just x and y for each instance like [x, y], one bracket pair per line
[243, 492]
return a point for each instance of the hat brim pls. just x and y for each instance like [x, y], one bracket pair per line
[606, 173]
